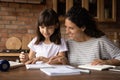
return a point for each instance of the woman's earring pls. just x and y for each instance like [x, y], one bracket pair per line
[83, 29]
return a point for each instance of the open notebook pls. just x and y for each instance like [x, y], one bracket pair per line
[59, 70]
[38, 65]
[96, 67]
[15, 64]
[54, 70]
[117, 68]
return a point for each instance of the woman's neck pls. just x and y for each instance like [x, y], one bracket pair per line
[83, 38]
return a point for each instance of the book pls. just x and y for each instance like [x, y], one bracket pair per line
[14, 64]
[40, 64]
[96, 67]
[55, 70]
[60, 70]
[37, 66]
[117, 68]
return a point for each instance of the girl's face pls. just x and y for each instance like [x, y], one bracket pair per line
[73, 31]
[47, 31]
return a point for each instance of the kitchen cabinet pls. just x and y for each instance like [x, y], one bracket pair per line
[102, 10]
[10, 56]
[13, 49]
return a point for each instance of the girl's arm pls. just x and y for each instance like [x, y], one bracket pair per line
[31, 54]
[27, 58]
[33, 59]
[23, 57]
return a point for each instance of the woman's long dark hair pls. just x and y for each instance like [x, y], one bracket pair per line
[49, 17]
[82, 18]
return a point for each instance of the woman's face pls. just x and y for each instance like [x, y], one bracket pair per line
[47, 31]
[73, 31]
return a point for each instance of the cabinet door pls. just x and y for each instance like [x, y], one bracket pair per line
[61, 7]
[109, 10]
[93, 6]
[102, 10]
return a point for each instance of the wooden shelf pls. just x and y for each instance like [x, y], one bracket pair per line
[9, 54]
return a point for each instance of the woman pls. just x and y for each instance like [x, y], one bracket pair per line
[87, 43]
[47, 46]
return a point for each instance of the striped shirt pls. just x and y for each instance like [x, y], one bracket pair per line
[95, 48]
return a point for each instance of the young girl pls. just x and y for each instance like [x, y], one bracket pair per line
[47, 46]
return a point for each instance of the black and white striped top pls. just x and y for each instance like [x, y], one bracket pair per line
[95, 48]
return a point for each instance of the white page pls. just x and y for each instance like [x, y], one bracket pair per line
[96, 67]
[60, 70]
[40, 64]
[14, 64]
[37, 66]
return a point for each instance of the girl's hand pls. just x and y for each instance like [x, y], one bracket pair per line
[23, 57]
[99, 62]
[34, 60]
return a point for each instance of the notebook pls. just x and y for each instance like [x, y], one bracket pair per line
[96, 67]
[60, 70]
[117, 68]
[37, 65]
[14, 64]
[55, 70]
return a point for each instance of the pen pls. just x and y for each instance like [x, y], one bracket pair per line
[81, 70]
[84, 71]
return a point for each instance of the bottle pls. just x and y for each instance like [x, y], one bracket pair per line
[116, 40]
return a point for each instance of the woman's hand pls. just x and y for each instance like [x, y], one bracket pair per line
[23, 57]
[58, 60]
[107, 62]
[99, 62]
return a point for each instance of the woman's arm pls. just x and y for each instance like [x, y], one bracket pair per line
[113, 62]
[59, 59]
[107, 62]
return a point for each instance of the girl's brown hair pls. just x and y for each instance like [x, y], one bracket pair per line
[49, 17]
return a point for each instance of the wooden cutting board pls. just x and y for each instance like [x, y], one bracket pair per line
[13, 43]
[25, 41]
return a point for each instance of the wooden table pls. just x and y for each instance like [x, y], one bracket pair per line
[22, 74]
